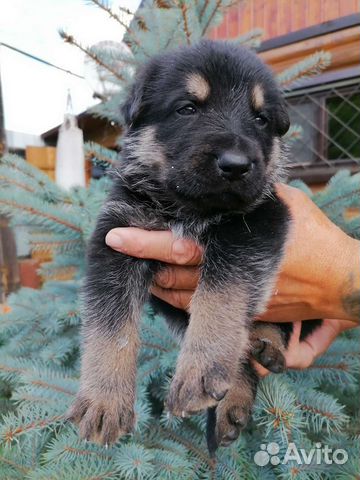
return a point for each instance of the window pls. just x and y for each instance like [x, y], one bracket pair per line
[330, 122]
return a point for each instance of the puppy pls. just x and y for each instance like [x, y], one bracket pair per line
[202, 153]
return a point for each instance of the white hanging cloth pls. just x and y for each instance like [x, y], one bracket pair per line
[70, 159]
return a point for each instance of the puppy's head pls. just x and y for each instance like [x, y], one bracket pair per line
[206, 121]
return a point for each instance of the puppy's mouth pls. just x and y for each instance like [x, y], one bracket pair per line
[225, 196]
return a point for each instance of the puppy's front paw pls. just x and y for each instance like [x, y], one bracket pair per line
[268, 355]
[233, 414]
[197, 386]
[101, 418]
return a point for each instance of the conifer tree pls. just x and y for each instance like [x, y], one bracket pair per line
[39, 329]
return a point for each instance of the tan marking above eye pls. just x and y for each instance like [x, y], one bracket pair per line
[258, 97]
[198, 86]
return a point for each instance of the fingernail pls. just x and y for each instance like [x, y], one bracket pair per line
[179, 248]
[162, 278]
[183, 251]
[114, 240]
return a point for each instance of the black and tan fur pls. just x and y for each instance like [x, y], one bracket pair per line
[202, 154]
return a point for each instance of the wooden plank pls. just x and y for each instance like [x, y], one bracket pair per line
[313, 14]
[245, 18]
[348, 7]
[331, 9]
[272, 9]
[251, 8]
[233, 23]
[259, 19]
[295, 15]
[344, 56]
[344, 46]
[278, 17]
[222, 30]
[41, 157]
[283, 17]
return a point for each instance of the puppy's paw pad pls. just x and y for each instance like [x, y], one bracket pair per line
[216, 382]
[100, 420]
[195, 389]
[232, 415]
[268, 356]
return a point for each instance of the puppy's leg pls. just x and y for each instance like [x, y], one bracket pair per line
[267, 343]
[232, 414]
[236, 283]
[216, 338]
[103, 408]
[176, 319]
[115, 289]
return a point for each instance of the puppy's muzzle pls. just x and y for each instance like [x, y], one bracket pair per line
[234, 166]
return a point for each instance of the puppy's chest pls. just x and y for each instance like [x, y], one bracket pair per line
[183, 225]
[192, 228]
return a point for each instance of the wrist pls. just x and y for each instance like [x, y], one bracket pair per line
[340, 295]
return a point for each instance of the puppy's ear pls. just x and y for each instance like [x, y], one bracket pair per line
[282, 118]
[141, 90]
[132, 107]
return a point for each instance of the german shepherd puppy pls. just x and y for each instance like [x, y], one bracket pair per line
[202, 153]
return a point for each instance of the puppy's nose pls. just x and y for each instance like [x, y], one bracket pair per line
[234, 165]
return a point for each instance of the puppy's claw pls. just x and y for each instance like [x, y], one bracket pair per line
[216, 382]
[268, 356]
[232, 414]
[101, 420]
[195, 388]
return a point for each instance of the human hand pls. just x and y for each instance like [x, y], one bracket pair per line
[175, 284]
[302, 354]
[319, 275]
[320, 272]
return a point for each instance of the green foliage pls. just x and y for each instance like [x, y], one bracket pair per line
[39, 364]
[39, 332]
[311, 65]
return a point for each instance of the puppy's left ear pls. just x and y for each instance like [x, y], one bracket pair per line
[132, 106]
[140, 92]
[282, 118]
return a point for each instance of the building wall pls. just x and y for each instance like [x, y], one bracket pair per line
[279, 17]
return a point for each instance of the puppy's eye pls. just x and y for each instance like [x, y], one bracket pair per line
[261, 120]
[186, 110]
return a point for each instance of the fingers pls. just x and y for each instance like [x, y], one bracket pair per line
[321, 338]
[260, 370]
[158, 245]
[302, 354]
[177, 298]
[293, 197]
[178, 278]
